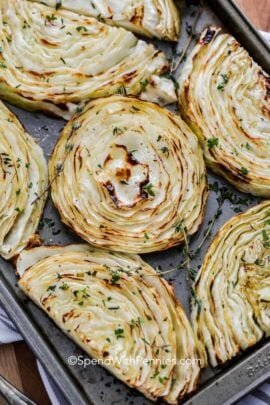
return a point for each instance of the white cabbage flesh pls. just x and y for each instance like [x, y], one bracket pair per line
[159, 90]
[231, 311]
[153, 18]
[116, 307]
[224, 96]
[128, 175]
[53, 60]
[23, 177]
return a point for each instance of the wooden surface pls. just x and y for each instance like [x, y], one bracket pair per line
[17, 364]
[258, 12]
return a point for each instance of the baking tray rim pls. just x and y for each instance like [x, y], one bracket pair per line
[25, 323]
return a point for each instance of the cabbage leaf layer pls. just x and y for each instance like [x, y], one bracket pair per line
[153, 18]
[224, 96]
[128, 175]
[119, 311]
[53, 60]
[23, 177]
[231, 309]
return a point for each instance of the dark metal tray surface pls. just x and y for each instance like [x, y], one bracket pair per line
[93, 384]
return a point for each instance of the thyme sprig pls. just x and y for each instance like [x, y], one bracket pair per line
[191, 32]
[223, 194]
[59, 168]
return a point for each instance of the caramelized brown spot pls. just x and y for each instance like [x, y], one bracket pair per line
[112, 193]
[129, 76]
[123, 174]
[47, 43]
[138, 16]
[67, 315]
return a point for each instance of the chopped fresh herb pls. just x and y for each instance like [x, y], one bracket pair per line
[92, 273]
[50, 18]
[81, 28]
[134, 323]
[58, 4]
[115, 277]
[69, 147]
[122, 90]
[81, 294]
[192, 274]
[165, 150]
[145, 341]
[178, 226]
[48, 221]
[156, 373]
[25, 24]
[148, 188]
[119, 333]
[259, 262]
[134, 109]
[214, 187]
[117, 131]
[223, 82]
[244, 171]
[64, 287]
[162, 379]
[197, 301]
[100, 18]
[144, 83]
[80, 108]
[212, 142]
[266, 239]
[59, 167]
[51, 288]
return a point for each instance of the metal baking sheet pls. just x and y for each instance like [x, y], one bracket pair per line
[93, 384]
